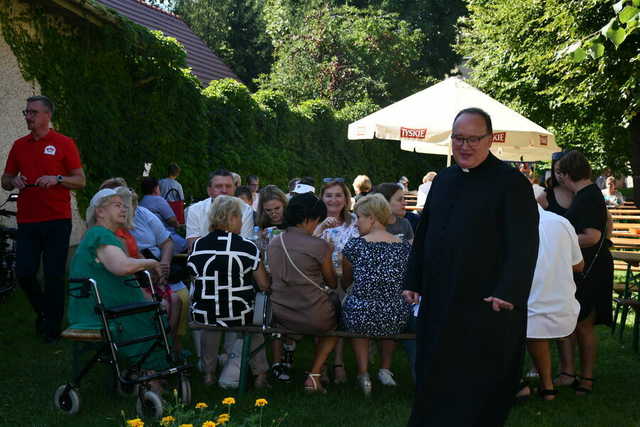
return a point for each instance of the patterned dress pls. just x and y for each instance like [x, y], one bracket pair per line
[374, 305]
[223, 291]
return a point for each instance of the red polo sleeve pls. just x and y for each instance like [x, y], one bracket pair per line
[72, 156]
[11, 167]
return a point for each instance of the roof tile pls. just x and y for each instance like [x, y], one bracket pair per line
[203, 62]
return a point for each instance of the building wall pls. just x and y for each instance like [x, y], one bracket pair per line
[14, 90]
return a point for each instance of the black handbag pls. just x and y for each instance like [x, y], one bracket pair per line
[262, 310]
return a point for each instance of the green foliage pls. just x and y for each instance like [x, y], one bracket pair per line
[123, 94]
[621, 26]
[120, 90]
[512, 47]
[344, 54]
[234, 30]
[278, 142]
[437, 20]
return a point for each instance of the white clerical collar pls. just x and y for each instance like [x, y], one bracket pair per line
[465, 170]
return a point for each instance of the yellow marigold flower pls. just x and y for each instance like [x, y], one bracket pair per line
[261, 402]
[167, 421]
[223, 418]
[229, 401]
[201, 405]
[136, 422]
[208, 424]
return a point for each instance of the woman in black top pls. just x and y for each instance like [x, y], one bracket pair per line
[557, 197]
[588, 215]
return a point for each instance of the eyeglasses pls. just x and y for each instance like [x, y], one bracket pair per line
[472, 141]
[328, 180]
[30, 112]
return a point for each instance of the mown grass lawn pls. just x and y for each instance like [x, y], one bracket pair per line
[30, 372]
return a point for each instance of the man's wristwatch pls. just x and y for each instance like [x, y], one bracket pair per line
[59, 179]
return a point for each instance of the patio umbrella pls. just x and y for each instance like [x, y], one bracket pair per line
[422, 123]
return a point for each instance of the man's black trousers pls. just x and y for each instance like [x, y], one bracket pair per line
[49, 241]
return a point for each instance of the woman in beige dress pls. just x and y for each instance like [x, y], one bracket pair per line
[301, 270]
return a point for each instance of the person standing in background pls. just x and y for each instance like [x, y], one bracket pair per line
[44, 166]
[472, 262]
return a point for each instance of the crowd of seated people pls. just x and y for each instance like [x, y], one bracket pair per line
[334, 265]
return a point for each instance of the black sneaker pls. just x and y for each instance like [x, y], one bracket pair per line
[287, 357]
[280, 372]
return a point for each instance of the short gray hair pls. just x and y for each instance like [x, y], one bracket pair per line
[223, 209]
[91, 210]
[43, 100]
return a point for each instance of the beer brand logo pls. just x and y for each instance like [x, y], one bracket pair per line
[361, 131]
[50, 150]
[543, 139]
[499, 137]
[409, 133]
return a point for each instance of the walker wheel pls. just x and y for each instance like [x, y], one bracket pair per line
[127, 389]
[67, 400]
[149, 405]
[185, 390]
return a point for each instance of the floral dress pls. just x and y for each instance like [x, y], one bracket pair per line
[375, 306]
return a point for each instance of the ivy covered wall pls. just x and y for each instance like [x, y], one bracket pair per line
[123, 93]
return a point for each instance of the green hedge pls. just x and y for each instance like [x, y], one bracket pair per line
[124, 94]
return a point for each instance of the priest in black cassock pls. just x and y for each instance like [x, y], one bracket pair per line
[472, 263]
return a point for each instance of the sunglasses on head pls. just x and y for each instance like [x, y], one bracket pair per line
[328, 180]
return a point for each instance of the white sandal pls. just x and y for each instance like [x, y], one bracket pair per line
[316, 386]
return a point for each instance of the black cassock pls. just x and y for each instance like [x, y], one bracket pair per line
[478, 237]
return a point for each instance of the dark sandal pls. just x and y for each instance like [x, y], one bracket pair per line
[543, 393]
[583, 391]
[574, 384]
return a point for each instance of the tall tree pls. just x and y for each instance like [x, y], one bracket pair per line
[234, 30]
[514, 49]
[342, 54]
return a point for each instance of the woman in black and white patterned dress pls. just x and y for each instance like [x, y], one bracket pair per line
[376, 264]
[222, 264]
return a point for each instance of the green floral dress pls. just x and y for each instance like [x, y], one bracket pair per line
[114, 290]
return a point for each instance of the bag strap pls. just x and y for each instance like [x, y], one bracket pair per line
[286, 252]
[602, 239]
[170, 191]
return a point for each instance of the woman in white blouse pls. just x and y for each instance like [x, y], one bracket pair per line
[552, 307]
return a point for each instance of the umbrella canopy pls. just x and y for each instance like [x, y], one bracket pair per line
[422, 123]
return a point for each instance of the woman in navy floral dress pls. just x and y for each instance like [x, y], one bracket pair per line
[375, 263]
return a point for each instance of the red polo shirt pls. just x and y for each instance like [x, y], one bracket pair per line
[54, 154]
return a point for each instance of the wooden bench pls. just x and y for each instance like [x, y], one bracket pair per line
[626, 235]
[247, 331]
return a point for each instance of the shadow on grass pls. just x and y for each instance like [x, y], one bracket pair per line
[31, 371]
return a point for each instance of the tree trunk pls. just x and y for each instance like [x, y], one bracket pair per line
[635, 157]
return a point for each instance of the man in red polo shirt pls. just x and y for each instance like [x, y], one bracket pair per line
[44, 166]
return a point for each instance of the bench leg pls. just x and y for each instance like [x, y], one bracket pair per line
[244, 362]
[623, 320]
[616, 312]
[636, 330]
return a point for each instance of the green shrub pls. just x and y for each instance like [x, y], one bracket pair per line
[124, 94]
